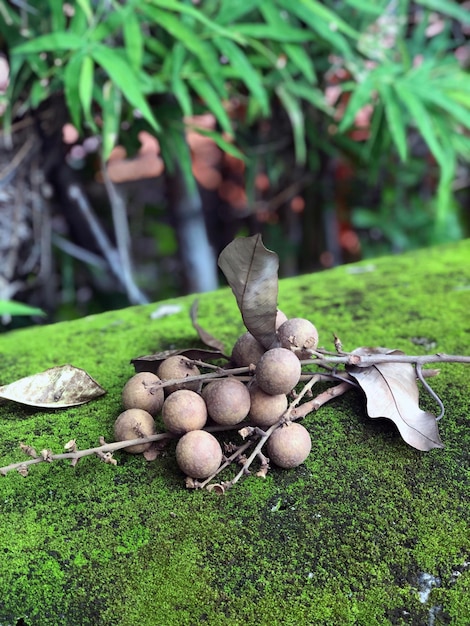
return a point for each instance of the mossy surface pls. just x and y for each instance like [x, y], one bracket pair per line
[344, 539]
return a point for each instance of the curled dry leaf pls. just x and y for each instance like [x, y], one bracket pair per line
[251, 271]
[151, 362]
[204, 336]
[58, 387]
[392, 392]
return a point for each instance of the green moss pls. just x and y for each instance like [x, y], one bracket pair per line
[340, 540]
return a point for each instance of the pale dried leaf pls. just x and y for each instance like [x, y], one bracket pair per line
[58, 387]
[392, 392]
[204, 336]
[251, 271]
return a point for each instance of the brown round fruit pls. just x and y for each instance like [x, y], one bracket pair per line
[289, 445]
[266, 410]
[132, 424]
[298, 335]
[227, 400]
[184, 410]
[198, 454]
[142, 391]
[180, 367]
[247, 350]
[278, 371]
[280, 318]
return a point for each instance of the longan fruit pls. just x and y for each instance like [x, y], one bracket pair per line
[132, 424]
[142, 391]
[198, 454]
[278, 371]
[184, 410]
[227, 400]
[266, 409]
[298, 335]
[289, 445]
[178, 366]
[247, 350]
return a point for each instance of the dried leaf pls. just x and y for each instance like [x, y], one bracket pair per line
[392, 392]
[150, 362]
[251, 271]
[57, 387]
[204, 336]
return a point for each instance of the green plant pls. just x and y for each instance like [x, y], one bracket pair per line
[293, 87]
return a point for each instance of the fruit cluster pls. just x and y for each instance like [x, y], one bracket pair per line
[191, 404]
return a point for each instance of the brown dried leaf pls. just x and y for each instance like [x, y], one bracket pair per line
[392, 392]
[204, 336]
[150, 362]
[251, 271]
[58, 387]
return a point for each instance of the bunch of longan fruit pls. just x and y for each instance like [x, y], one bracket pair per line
[187, 407]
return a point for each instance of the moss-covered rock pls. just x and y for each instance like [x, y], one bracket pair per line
[346, 539]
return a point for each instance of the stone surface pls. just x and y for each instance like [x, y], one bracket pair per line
[368, 531]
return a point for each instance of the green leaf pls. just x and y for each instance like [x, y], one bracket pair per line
[206, 92]
[395, 119]
[57, 15]
[79, 23]
[224, 145]
[311, 94]
[14, 308]
[86, 8]
[334, 22]
[447, 8]
[299, 57]
[52, 42]
[38, 94]
[114, 20]
[422, 119]
[133, 41]
[192, 41]
[178, 86]
[246, 71]
[274, 33]
[112, 100]
[232, 10]
[122, 74]
[198, 15]
[296, 116]
[361, 96]
[85, 86]
[445, 102]
[325, 27]
[71, 87]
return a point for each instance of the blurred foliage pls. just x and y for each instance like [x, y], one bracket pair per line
[300, 90]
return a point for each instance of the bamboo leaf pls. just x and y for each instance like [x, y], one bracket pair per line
[395, 119]
[302, 60]
[274, 33]
[52, 42]
[361, 96]
[296, 116]
[111, 111]
[122, 74]
[232, 10]
[72, 89]
[212, 100]
[447, 7]
[14, 308]
[85, 86]
[422, 120]
[133, 41]
[246, 71]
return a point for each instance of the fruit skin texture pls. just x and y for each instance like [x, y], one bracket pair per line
[198, 454]
[289, 445]
[278, 371]
[178, 366]
[184, 410]
[227, 400]
[265, 409]
[247, 350]
[298, 335]
[142, 392]
[131, 424]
